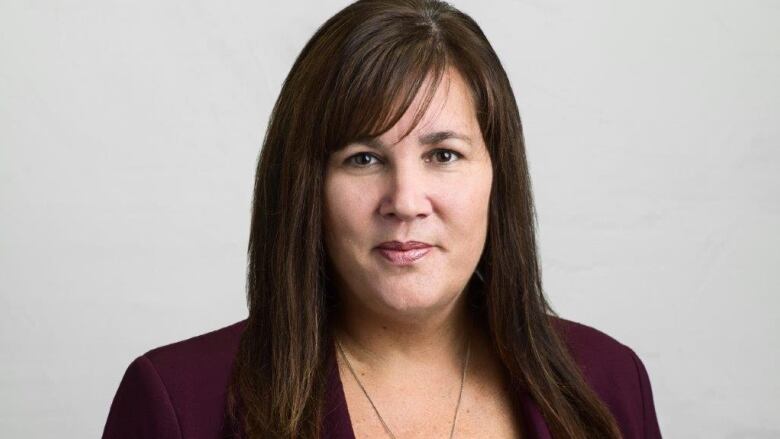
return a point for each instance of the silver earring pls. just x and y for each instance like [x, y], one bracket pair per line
[479, 275]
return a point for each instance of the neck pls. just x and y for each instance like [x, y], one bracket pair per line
[385, 343]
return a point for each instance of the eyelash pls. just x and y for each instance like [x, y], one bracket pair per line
[350, 159]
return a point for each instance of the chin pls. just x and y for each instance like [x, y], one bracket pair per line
[411, 302]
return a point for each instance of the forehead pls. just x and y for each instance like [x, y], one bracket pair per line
[451, 110]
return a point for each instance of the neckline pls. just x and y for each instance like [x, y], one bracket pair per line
[338, 424]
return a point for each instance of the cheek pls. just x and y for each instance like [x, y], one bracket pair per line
[343, 211]
[468, 207]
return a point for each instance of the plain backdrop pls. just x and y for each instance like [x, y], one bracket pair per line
[129, 133]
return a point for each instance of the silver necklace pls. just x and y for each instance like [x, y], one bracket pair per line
[387, 429]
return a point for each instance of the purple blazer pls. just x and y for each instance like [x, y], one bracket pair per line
[178, 390]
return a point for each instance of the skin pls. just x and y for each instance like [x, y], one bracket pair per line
[409, 191]
[404, 328]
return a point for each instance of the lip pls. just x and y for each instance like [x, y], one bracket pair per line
[404, 253]
[404, 257]
[403, 246]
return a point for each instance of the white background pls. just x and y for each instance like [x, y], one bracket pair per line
[129, 133]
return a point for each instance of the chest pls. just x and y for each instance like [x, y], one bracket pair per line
[485, 411]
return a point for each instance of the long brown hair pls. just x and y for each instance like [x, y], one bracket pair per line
[355, 78]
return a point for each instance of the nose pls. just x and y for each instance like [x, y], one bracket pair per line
[407, 194]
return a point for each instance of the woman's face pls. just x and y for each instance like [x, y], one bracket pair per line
[432, 187]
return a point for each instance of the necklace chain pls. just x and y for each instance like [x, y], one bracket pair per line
[387, 429]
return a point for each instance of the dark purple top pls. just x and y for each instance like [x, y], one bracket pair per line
[178, 390]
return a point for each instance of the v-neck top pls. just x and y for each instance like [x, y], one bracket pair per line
[179, 390]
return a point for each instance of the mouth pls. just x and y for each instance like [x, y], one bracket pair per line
[404, 246]
[404, 257]
[404, 253]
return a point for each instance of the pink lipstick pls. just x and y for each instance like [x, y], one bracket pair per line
[404, 253]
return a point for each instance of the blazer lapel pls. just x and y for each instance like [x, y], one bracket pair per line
[336, 422]
[533, 422]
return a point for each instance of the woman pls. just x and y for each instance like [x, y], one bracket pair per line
[393, 282]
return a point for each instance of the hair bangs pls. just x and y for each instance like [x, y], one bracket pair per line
[375, 88]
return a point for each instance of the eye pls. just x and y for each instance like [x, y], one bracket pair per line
[446, 154]
[361, 159]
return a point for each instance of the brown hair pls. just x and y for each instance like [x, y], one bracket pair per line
[355, 78]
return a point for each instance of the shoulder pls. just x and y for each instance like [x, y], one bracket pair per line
[593, 349]
[203, 357]
[177, 389]
[616, 373]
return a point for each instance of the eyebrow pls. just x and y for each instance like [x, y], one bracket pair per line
[425, 139]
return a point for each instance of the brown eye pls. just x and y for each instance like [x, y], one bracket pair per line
[445, 155]
[360, 159]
